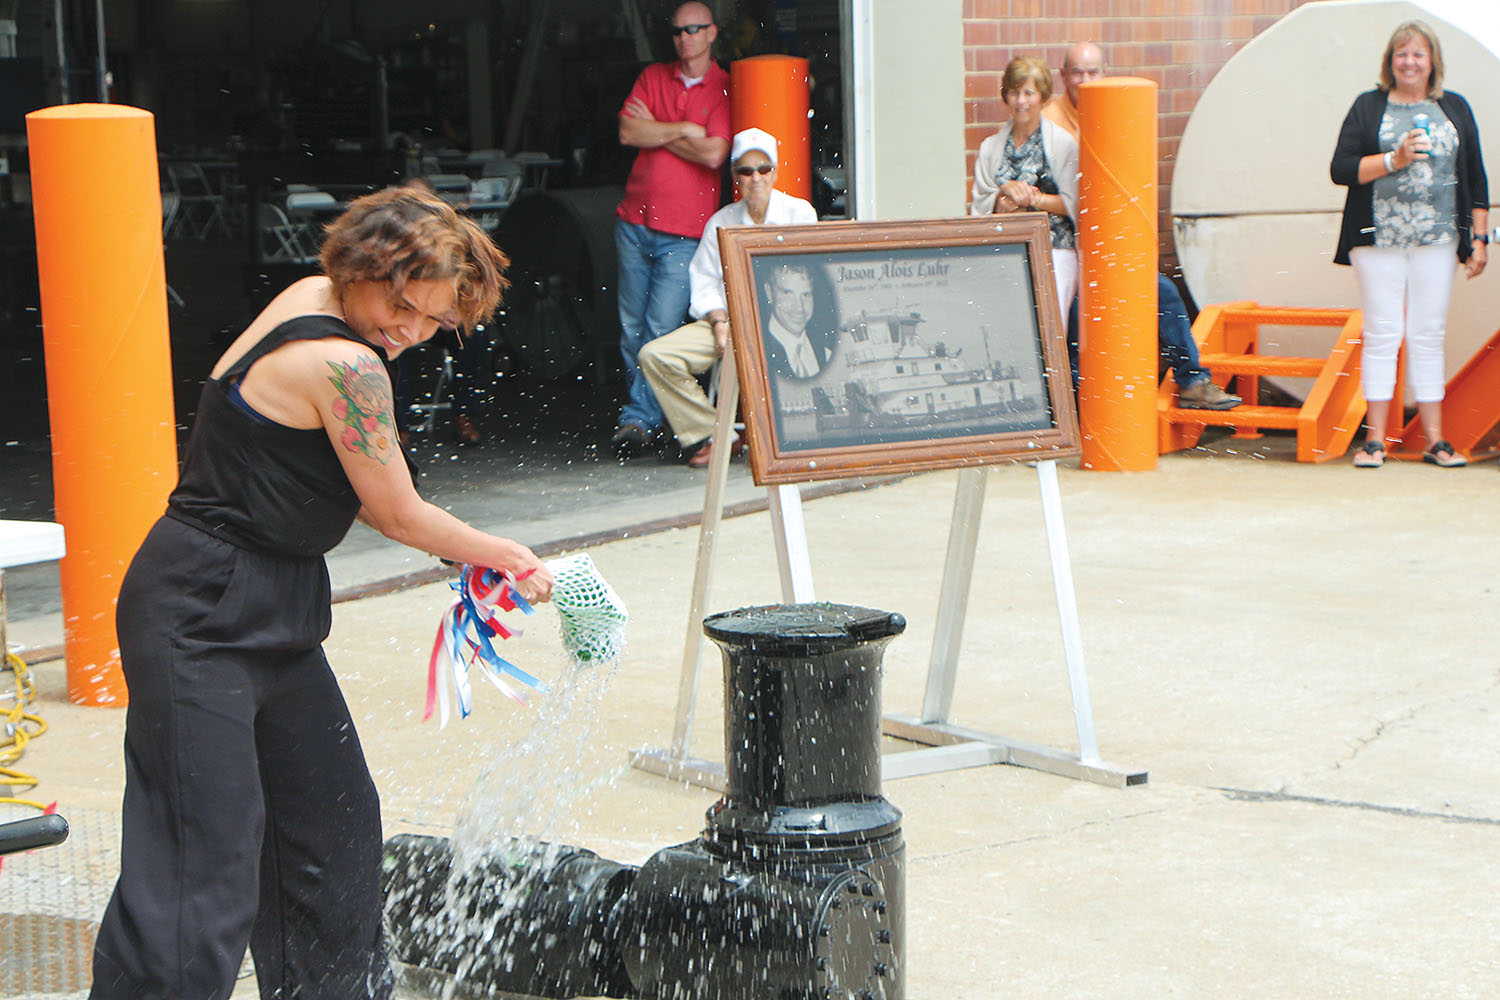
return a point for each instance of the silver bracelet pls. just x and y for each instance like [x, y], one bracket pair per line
[1390, 161]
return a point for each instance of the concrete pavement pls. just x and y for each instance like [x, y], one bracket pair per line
[1301, 656]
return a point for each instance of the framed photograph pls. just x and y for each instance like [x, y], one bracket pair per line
[887, 347]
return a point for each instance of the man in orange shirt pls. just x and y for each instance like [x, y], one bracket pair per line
[1084, 62]
[1195, 386]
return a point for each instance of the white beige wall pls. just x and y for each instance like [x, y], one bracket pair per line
[908, 119]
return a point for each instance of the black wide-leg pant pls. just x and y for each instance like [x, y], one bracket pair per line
[249, 812]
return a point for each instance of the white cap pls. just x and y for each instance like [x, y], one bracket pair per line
[753, 139]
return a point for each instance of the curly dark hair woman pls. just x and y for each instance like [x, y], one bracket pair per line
[250, 816]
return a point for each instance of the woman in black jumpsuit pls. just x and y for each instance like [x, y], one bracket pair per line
[250, 815]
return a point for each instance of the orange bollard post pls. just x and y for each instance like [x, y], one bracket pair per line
[109, 372]
[771, 92]
[1117, 232]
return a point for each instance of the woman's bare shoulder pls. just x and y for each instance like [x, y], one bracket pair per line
[294, 383]
[309, 296]
[307, 365]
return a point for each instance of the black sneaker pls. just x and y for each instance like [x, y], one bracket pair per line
[630, 439]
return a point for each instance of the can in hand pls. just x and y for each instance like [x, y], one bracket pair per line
[1424, 124]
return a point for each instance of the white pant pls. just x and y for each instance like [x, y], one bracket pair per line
[1404, 291]
[1065, 274]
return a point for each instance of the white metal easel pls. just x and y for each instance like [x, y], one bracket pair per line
[950, 747]
[947, 747]
[796, 587]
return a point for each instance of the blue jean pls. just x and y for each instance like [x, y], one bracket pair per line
[1174, 336]
[654, 296]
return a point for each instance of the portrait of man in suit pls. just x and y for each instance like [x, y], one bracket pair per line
[792, 350]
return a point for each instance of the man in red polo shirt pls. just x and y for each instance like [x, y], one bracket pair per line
[677, 117]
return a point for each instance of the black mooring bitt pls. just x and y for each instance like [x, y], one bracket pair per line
[530, 918]
[32, 832]
[795, 891]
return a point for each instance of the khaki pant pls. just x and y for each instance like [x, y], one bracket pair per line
[672, 364]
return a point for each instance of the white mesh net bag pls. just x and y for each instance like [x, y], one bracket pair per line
[590, 613]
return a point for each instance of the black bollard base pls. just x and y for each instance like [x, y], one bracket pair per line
[795, 891]
[533, 920]
[789, 928]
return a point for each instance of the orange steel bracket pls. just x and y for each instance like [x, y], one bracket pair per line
[1208, 331]
[1335, 406]
[771, 92]
[1471, 410]
[1117, 234]
[1228, 337]
[97, 202]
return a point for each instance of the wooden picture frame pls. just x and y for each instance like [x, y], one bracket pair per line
[926, 344]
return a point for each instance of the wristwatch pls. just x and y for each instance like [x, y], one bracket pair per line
[1482, 238]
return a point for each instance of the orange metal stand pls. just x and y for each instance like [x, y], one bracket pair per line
[771, 93]
[1117, 283]
[109, 378]
[1471, 409]
[1228, 336]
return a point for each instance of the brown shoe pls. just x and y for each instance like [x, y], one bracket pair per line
[1204, 395]
[465, 431]
[704, 455]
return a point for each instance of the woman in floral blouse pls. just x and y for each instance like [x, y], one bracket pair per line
[1409, 154]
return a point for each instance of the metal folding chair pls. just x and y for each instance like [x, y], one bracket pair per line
[201, 208]
[305, 211]
[281, 240]
[170, 201]
[423, 416]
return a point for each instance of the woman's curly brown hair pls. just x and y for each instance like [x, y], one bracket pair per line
[406, 234]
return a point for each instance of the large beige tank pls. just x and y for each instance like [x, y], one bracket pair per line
[1256, 216]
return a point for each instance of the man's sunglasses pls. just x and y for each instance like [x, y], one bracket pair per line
[689, 29]
[763, 168]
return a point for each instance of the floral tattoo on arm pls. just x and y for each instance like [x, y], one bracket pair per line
[364, 405]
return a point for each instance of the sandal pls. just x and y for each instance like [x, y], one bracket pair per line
[1442, 454]
[1371, 456]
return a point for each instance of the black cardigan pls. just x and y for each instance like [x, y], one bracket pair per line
[1360, 137]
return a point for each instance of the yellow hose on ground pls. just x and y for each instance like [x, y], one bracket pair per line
[18, 727]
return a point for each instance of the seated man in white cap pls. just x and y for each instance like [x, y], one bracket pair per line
[672, 363]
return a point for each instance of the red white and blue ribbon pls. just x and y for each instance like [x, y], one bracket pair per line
[466, 639]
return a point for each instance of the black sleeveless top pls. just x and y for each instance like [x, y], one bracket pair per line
[257, 484]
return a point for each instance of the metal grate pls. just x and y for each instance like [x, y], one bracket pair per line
[44, 956]
[50, 903]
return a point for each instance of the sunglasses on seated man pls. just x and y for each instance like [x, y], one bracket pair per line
[761, 168]
[689, 29]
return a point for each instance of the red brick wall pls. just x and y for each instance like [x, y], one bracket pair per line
[1178, 43]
